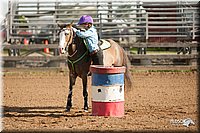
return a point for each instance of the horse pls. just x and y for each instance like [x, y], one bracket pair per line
[79, 60]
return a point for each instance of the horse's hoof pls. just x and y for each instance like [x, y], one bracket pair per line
[86, 111]
[67, 109]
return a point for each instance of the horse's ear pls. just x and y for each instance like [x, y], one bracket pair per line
[72, 22]
[59, 25]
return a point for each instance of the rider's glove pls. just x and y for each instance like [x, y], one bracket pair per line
[74, 29]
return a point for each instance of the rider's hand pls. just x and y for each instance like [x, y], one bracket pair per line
[74, 29]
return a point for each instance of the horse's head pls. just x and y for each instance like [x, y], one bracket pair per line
[65, 37]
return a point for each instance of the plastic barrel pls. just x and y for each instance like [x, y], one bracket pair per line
[107, 91]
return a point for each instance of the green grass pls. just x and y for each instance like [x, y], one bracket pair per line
[155, 51]
[171, 70]
[164, 71]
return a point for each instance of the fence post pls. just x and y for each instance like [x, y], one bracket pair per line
[193, 61]
[193, 25]
[147, 28]
[7, 27]
[10, 17]
[100, 28]
[55, 16]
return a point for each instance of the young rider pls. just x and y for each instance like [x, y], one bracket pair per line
[91, 38]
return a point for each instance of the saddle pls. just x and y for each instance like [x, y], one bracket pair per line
[103, 44]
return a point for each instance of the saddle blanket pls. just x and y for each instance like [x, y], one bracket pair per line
[104, 44]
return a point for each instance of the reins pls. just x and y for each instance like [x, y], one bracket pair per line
[77, 60]
[81, 57]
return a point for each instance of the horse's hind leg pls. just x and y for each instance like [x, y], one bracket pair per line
[72, 78]
[85, 92]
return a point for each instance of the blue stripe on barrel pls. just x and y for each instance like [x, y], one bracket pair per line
[107, 79]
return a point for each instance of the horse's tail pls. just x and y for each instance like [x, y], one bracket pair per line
[128, 76]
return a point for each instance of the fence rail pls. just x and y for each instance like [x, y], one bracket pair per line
[125, 16]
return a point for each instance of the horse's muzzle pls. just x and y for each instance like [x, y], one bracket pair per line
[62, 50]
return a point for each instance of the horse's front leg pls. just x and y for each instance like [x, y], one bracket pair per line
[72, 78]
[85, 92]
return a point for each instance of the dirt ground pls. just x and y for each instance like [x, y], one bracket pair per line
[35, 99]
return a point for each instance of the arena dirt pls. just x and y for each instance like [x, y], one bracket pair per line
[35, 99]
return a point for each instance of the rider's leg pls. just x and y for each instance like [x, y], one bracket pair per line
[97, 58]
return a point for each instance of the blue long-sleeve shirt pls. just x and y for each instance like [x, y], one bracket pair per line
[90, 36]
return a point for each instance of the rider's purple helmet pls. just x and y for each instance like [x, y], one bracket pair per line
[85, 19]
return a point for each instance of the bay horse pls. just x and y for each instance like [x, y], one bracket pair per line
[79, 60]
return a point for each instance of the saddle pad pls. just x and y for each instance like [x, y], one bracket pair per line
[105, 44]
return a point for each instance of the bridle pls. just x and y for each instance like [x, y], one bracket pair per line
[71, 37]
[70, 40]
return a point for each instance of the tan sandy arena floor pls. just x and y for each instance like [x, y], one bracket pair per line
[35, 99]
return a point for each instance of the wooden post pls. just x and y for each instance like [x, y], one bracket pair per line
[193, 61]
